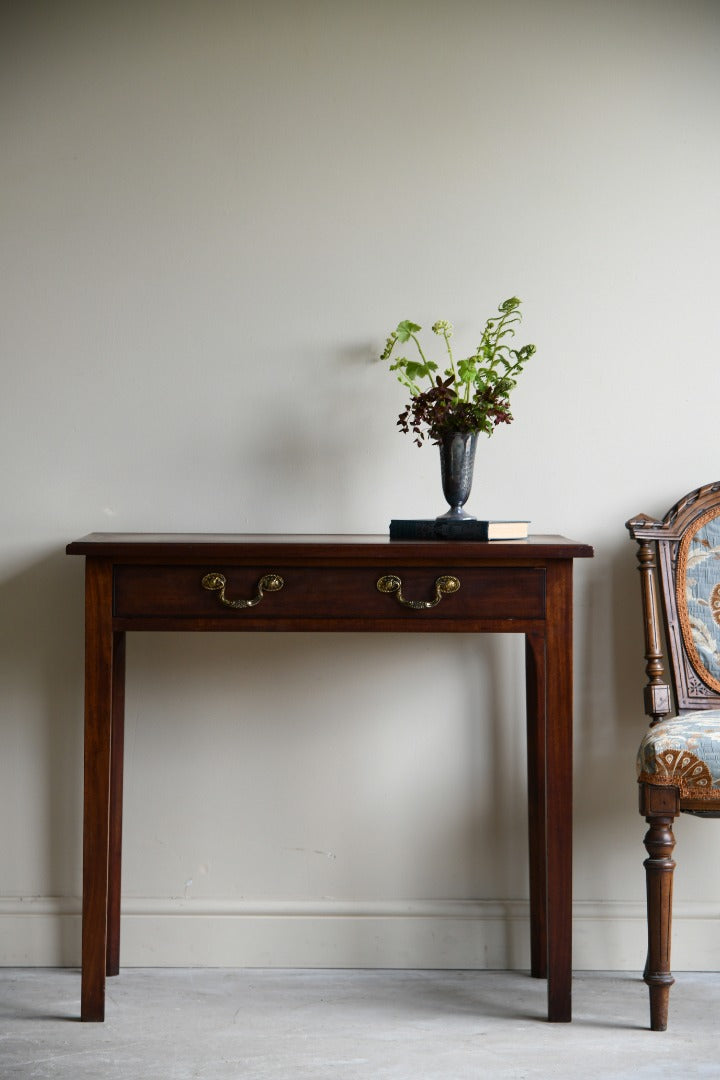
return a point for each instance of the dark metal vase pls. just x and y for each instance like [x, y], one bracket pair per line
[457, 458]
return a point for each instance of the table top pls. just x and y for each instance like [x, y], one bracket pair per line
[343, 545]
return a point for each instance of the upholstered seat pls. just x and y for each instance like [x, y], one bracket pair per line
[684, 752]
[679, 759]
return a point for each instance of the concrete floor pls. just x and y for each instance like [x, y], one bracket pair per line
[203, 1024]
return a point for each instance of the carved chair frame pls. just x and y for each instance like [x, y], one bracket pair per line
[661, 545]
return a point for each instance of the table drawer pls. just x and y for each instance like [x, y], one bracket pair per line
[237, 592]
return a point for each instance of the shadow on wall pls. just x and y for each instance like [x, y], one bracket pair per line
[307, 470]
[41, 646]
[609, 701]
[609, 724]
[294, 706]
[497, 750]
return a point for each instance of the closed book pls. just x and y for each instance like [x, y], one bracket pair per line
[437, 529]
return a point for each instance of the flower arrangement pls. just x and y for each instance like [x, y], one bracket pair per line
[474, 394]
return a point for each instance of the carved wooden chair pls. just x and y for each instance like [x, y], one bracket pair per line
[679, 758]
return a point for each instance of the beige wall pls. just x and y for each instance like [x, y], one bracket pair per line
[212, 215]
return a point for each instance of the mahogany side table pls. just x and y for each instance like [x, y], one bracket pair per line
[229, 583]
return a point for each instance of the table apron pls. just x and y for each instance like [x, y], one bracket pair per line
[332, 625]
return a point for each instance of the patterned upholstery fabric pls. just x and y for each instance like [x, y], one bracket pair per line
[699, 607]
[684, 752]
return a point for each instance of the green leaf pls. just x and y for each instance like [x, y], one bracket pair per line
[417, 370]
[466, 369]
[406, 329]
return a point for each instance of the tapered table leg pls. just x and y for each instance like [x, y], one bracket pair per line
[116, 804]
[96, 822]
[537, 841]
[559, 746]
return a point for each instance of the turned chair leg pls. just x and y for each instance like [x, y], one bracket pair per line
[659, 867]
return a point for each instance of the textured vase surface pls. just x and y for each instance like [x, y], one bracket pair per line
[457, 460]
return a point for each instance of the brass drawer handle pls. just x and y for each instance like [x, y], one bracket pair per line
[444, 586]
[216, 582]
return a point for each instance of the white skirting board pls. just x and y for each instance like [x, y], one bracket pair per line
[331, 933]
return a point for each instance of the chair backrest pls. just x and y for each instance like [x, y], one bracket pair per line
[680, 559]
